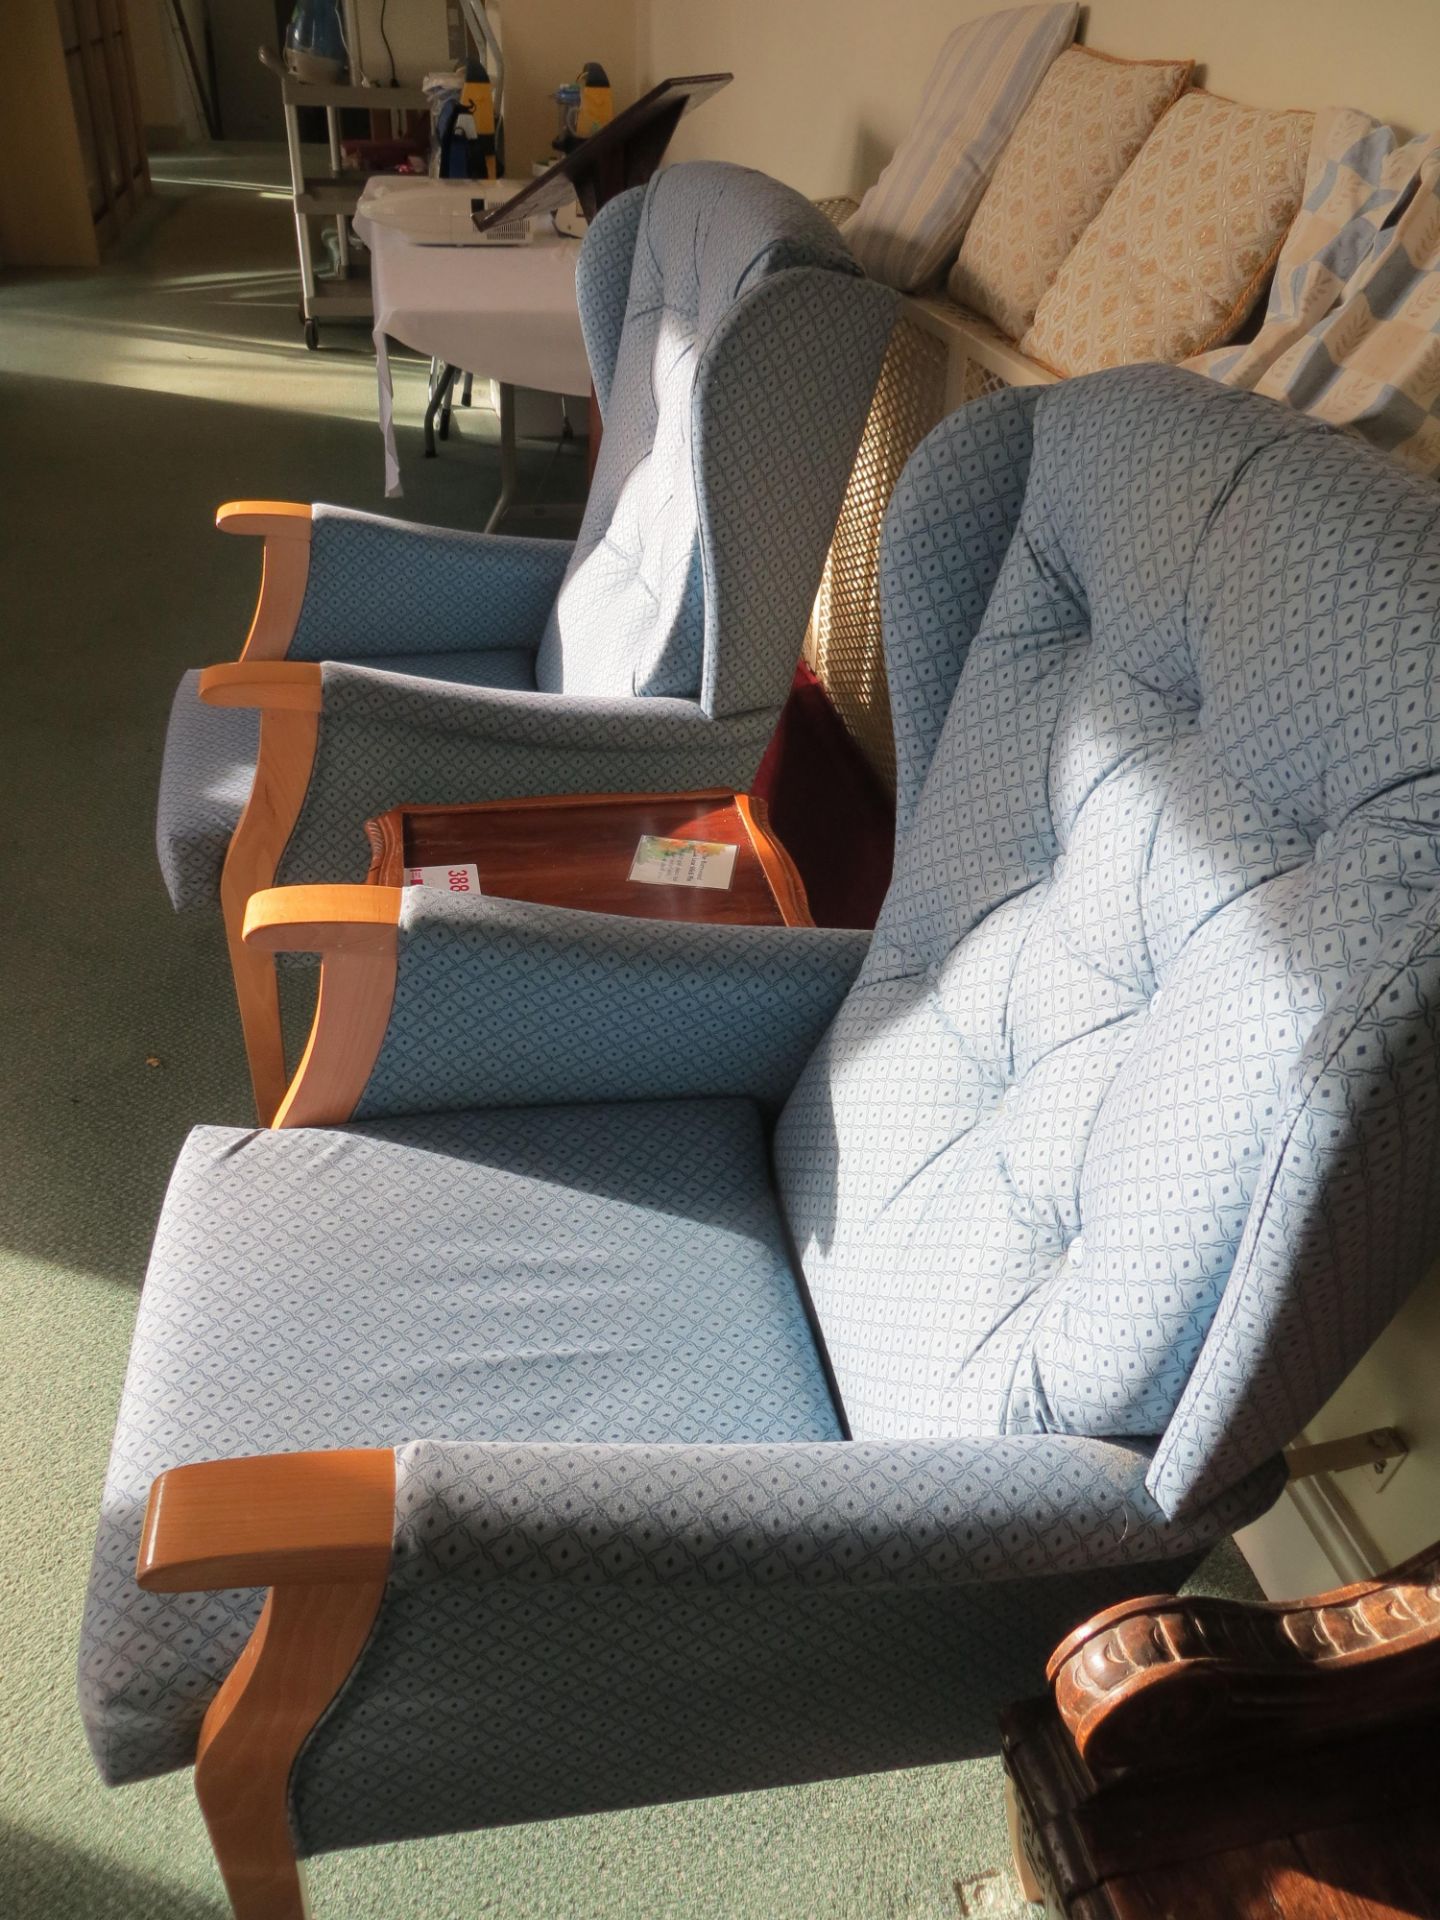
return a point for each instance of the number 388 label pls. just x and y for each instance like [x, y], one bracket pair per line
[461, 879]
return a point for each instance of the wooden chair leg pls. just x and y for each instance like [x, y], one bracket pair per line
[302, 1650]
[282, 774]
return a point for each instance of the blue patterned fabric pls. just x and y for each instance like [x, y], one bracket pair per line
[602, 285]
[607, 1274]
[205, 781]
[729, 395]
[1183, 801]
[532, 1701]
[557, 1005]
[682, 1620]
[1125, 1128]
[209, 766]
[947, 530]
[742, 345]
[385, 739]
[383, 586]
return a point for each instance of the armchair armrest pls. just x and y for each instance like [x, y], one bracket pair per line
[828, 1514]
[431, 1002]
[383, 586]
[340, 585]
[277, 1519]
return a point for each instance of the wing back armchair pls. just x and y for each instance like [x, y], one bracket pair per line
[1096, 1168]
[735, 345]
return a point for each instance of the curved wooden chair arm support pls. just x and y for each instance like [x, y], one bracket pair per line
[274, 686]
[317, 1528]
[323, 919]
[355, 930]
[285, 570]
[1160, 1681]
[270, 1520]
[271, 519]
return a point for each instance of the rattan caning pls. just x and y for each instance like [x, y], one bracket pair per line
[937, 360]
[843, 645]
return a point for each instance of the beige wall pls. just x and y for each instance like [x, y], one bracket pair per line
[546, 43]
[824, 89]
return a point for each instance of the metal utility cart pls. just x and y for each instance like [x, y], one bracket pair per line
[343, 295]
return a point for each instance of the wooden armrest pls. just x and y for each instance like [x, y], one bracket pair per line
[1156, 1682]
[356, 932]
[284, 1519]
[323, 919]
[276, 686]
[272, 519]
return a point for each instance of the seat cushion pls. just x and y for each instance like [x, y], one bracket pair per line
[210, 754]
[581, 1273]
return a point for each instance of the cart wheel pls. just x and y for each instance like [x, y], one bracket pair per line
[312, 335]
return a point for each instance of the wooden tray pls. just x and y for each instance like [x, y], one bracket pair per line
[575, 850]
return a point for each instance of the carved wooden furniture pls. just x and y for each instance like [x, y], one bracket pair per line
[1203, 1756]
[576, 850]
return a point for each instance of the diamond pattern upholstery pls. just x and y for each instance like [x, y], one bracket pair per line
[1114, 1148]
[735, 346]
[1182, 804]
[659, 1009]
[631, 616]
[616, 1273]
[205, 780]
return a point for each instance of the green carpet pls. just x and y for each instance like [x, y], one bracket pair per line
[132, 402]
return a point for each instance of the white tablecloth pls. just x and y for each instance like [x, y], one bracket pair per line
[504, 313]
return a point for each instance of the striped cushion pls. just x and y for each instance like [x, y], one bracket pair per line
[911, 222]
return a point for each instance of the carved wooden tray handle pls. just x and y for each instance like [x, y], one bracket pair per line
[1158, 1681]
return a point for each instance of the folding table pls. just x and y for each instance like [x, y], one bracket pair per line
[507, 313]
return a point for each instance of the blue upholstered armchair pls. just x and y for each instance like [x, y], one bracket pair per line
[735, 346]
[711, 1358]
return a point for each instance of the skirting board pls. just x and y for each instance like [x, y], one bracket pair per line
[1309, 1542]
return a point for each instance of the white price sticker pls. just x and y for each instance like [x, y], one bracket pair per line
[460, 879]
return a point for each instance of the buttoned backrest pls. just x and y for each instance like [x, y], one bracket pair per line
[1128, 1127]
[735, 345]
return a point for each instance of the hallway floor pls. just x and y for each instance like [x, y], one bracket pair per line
[133, 401]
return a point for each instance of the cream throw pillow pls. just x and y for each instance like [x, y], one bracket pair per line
[908, 226]
[1181, 250]
[1090, 117]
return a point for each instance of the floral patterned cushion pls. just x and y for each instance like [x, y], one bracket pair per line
[1181, 250]
[1090, 117]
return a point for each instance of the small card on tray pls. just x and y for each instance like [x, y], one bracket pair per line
[682, 863]
[464, 878]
